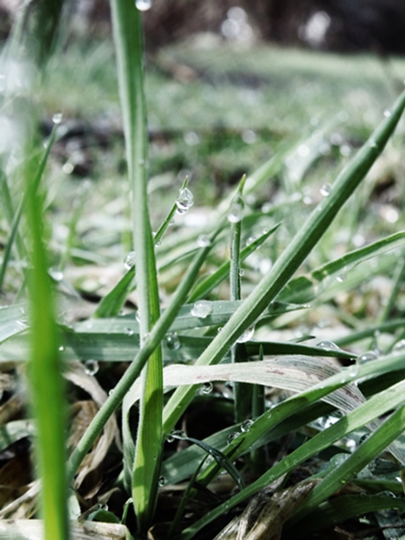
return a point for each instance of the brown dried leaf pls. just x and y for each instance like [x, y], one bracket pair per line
[76, 374]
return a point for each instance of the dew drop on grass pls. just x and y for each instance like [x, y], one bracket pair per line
[246, 425]
[57, 118]
[367, 357]
[130, 260]
[203, 240]
[56, 274]
[161, 481]
[241, 272]
[250, 240]
[91, 367]
[201, 309]
[137, 316]
[184, 201]
[173, 341]
[235, 212]
[387, 113]
[341, 277]
[325, 190]
[61, 348]
[353, 370]
[232, 436]
[143, 5]
[207, 388]
[328, 346]
[129, 331]
[400, 345]
[247, 335]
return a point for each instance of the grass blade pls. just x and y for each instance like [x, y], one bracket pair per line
[289, 262]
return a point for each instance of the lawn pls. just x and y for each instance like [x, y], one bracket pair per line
[213, 304]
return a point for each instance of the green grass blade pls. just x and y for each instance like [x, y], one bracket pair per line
[306, 288]
[207, 285]
[10, 243]
[364, 454]
[47, 384]
[289, 262]
[129, 48]
[361, 416]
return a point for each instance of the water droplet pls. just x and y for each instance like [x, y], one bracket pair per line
[247, 335]
[241, 272]
[191, 138]
[176, 434]
[235, 212]
[203, 240]
[325, 190]
[372, 143]
[158, 243]
[57, 118]
[56, 274]
[161, 481]
[91, 367]
[130, 259]
[345, 150]
[246, 425]
[207, 388]
[353, 370]
[387, 113]
[249, 136]
[232, 436]
[137, 316]
[367, 357]
[341, 277]
[250, 240]
[303, 150]
[173, 341]
[307, 200]
[61, 348]
[201, 309]
[399, 345]
[110, 392]
[184, 201]
[328, 346]
[129, 331]
[103, 506]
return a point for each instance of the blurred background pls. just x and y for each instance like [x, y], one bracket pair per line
[335, 25]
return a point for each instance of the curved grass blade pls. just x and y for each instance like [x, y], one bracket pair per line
[340, 509]
[362, 415]
[364, 454]
[287, 264]
[306, 288]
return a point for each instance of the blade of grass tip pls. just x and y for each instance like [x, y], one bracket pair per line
[207, 285]
[128, 37]
[291, 259]
[46, 380]
[113, 301]
[241, 391]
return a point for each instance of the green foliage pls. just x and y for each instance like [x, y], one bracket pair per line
[204, 316]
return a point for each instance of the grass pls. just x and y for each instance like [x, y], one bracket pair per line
[251, 351]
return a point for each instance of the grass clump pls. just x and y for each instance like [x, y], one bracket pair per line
[254, 342]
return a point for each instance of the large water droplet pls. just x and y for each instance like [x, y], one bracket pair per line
[202, 309]
[161, 481]
[173, 341]
[207, 388]
[399, 345]
[328, 346]
[367, 357]
[143, 5]
[184, 201]
[130, 260]
[203, 240]
[57, 118]
[56, 274]
[250, 240]
[91, 367]
[232, 436]
[235, 212]
[247, 335]
[246, 425]
[325, 190]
